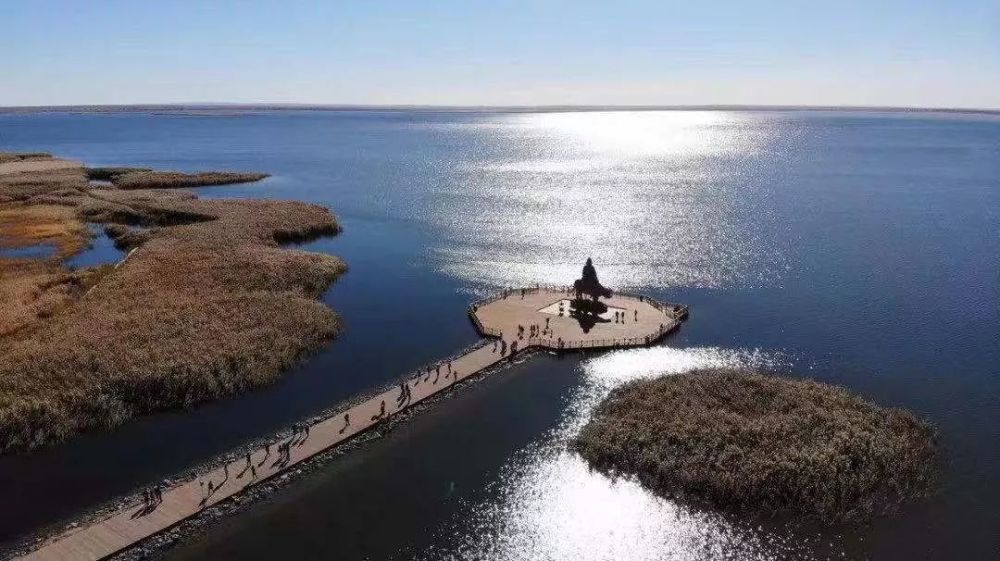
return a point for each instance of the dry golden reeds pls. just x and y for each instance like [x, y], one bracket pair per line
[752, 442]
[208, 305]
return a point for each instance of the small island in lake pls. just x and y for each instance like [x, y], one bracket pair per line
[206, 304]
[768, 444]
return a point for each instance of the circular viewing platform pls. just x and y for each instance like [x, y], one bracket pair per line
[629, 320]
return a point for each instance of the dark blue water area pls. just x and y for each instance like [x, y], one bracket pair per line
[100, 250]
[861, 248]
[37, 251]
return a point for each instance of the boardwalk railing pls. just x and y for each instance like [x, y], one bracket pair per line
[603, 343]
[676, 311]
[479, 325]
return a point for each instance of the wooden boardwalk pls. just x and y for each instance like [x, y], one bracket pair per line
[128, 527]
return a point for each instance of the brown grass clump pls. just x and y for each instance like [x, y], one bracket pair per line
[109, 173]
[25, 225]
[208, 305]
[140, 178]
[31, 288]
[751, 442]
[6, 157]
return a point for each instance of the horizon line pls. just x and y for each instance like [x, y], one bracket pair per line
[301, 106]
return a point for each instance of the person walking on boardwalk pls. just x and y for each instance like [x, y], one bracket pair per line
[381, 413]
[347, 422]
[637, 315]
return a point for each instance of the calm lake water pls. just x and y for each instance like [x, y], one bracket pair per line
[855, 248]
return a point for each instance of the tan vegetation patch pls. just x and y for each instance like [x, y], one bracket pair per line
[27, 225]
[6, 157]
[762, 443]
[144, 178]
[206, 306]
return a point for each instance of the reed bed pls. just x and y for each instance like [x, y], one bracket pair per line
[145, 178]
[23, 156]
[208, 305]
[767, 444]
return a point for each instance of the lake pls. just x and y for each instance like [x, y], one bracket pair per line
[857, 248]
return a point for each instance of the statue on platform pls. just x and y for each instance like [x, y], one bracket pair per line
[588, 284]
[588, 311]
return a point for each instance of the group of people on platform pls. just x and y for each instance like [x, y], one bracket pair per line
[501, 346]
[620, 316]
[152, 497]
[534, 330]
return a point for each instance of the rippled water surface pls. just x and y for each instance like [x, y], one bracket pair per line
[855, 248]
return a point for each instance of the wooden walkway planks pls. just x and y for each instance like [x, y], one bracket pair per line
[112, 535]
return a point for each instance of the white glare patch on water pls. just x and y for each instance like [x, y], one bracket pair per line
[671, 198]
[549, 505]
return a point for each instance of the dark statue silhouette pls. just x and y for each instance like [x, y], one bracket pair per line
[588, 284]
[588, 312]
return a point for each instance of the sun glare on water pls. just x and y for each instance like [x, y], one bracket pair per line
[640, 134]
[656, 198]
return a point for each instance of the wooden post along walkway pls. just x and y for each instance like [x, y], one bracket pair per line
[643, 321]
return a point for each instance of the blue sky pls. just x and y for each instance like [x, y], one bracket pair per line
[941, 54]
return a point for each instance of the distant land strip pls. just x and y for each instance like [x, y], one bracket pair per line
[211, 107]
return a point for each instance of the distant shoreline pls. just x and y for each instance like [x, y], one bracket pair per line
[235, 107]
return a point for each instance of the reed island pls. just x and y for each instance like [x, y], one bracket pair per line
[207, 303]
[761, 443]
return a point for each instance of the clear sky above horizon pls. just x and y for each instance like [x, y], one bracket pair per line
[452, 52]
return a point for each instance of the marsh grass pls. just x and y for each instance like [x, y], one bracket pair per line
[23, 156]
[109, 173]
[767, 444]
[208, 305]
[145, 178]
